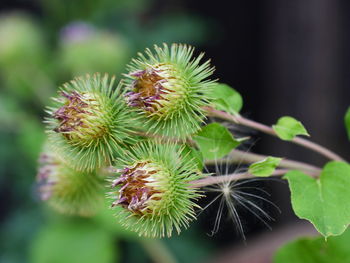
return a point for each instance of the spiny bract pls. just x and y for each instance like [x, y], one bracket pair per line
[90, 122]
[169, 87]
[153, 189]
[67, 190]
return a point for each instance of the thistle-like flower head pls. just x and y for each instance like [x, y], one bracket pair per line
[153, 190]
[89, 123]
[169, 87]
[66, 190]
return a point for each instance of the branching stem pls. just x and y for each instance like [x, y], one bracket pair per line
[242, 157]
[237, 119]
[210, 180]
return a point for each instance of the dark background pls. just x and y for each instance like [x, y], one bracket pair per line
[284, 57]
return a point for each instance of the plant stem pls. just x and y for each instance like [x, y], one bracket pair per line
[237, 119]
[157, 251]
[209, 180]
[239, 157]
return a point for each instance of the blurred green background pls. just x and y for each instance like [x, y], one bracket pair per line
[37, 54]
[284, 57]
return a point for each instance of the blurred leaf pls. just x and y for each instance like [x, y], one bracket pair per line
[227, 99]
[72, 242]
[323, 201]
[347, 122]
[106, 219]
[316, 250]
[215, 141]
[287, 128]
[264, 167]
[191, 246]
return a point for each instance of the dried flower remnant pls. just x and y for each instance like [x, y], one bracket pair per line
[136, 189]
[233, 196]
[169, 88]
[80, 118]
[152, 190]
[154, 89]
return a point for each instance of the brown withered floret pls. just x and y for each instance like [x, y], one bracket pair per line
[134, 191]
[70, 114]
[148, 90]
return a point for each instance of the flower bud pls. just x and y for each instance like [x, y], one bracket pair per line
[89, 123]
[169, 88]
[67, 190]
[153, 190]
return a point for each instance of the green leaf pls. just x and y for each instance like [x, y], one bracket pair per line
[193, 154]
[323, 201]
[226, 98]
[215, 141]
[264, 167]
[72, 242]
[105, 219]
[347, 122]
[316, 250]
[288, 127]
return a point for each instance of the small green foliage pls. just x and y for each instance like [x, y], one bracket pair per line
[147, 134]
[72, 242]
[316, 249]
[288, 127]
[215, 141]
[264, 167]
[153, 189]
[323, 201]
[169, 88]
[347, 122]
[226, 98]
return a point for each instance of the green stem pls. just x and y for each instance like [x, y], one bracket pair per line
[237, 119]
[242, 157]
[237, 156]
[157, 251]
[210, 180]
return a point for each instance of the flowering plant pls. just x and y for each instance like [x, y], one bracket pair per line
[144, 146]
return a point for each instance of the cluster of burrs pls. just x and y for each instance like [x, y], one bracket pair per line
[93, 126]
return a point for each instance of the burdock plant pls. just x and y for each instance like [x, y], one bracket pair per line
[67, 190]
[169, 87]
[89, 123]
[147, 137]
[153, 188]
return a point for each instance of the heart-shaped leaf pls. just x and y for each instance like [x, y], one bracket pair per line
[226, 98]
[323, 201]
[215, 141]
[288, 127]
[311, 250]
